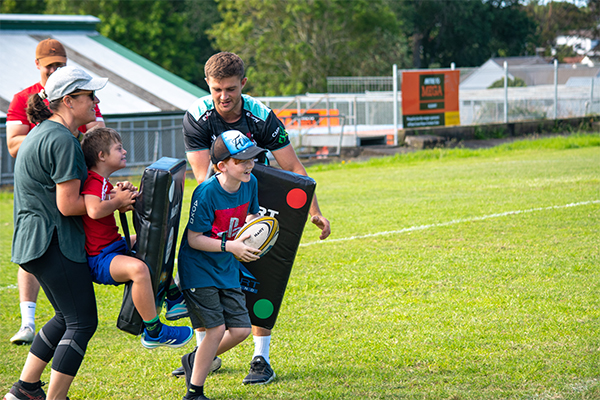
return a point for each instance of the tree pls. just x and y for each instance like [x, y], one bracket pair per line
[291, 46]
[559, 18]
[465, 32]
[168, 32]
[22, 6]
[517, 82]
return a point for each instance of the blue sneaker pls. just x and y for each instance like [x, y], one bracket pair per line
[176, 309]
[170, 336]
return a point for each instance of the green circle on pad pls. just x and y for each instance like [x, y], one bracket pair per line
[263, 308]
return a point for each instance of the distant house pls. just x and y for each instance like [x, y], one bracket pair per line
[136, 85]
[533, 71]
[583, 42]
[493, 70]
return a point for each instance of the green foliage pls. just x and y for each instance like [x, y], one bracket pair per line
[560, 17]
[564, 51]
[465, 32]
[291, 47]
[517, 82]
[22, 6]
[166, 32]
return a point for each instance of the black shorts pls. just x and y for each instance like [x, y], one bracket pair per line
[210, 307]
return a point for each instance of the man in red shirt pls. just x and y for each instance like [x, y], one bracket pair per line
[50, 55]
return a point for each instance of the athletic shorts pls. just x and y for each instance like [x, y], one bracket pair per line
[100, 264]
[210, 307]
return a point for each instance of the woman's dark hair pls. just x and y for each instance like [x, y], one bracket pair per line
[38, 111]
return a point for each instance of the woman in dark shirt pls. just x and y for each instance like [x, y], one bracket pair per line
[48, 239]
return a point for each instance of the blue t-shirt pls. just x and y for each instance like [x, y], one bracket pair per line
[215, 213]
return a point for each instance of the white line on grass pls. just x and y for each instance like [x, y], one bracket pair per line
[453, 222]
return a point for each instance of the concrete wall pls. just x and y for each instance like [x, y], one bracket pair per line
[498, 130]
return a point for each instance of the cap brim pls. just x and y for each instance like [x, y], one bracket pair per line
[249, 153]
[94, 84]
[51, 60]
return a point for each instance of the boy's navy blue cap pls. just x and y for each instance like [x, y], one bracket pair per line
[233, 144]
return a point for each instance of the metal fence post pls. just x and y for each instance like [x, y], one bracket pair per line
[505, 92]
[395, 86]
[555, 88]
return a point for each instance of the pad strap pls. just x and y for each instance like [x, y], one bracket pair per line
[125, 226]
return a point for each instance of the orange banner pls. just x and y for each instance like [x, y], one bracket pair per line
[314, 117]
[430, 98]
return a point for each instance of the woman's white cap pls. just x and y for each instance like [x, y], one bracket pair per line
[66, 80]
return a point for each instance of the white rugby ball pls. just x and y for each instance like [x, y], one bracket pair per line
[263, 232]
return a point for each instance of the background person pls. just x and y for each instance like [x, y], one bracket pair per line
[48, 238]
[226, 108]
[50, 54]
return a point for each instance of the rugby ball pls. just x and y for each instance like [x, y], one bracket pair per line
[263, 232]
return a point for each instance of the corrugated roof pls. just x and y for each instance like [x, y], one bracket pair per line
[136, 85]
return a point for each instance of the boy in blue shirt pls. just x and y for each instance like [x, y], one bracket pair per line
[208, 270]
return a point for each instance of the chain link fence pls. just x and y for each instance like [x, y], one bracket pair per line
[367, 105]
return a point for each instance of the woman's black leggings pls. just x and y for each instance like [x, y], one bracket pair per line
[68, 286]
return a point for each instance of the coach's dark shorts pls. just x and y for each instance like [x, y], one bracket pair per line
[210, 307]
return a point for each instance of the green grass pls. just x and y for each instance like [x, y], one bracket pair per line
[459, 301]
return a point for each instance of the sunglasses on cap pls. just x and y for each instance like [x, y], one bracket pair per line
[90, 93]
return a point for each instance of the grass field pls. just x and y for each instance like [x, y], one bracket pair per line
[450, 274]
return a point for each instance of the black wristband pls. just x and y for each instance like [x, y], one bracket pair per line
[223, 240]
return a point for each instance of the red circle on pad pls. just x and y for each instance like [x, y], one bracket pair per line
[296, 198]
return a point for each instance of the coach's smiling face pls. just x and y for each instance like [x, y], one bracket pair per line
[227, 96]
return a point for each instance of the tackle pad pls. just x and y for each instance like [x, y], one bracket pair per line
[287, 197]
[156, 216]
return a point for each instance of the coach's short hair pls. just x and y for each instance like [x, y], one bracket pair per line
[224, 65]
[96, 140]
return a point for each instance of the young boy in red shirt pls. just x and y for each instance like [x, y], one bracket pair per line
[106, 249]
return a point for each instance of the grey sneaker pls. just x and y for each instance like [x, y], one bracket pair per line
[24, 336]
[261, 372]
[17, 392]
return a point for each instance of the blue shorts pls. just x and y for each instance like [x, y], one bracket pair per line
[100, 264]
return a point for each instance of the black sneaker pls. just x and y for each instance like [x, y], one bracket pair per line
[199, 397]
[261, 372]
[216, 364]
[17, 392]
[189, 360]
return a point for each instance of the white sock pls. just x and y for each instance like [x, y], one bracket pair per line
[200, 337]
[28, 314]
[262, 344]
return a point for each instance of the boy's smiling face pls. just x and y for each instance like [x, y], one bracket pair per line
[116, 156]
[239, 170]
